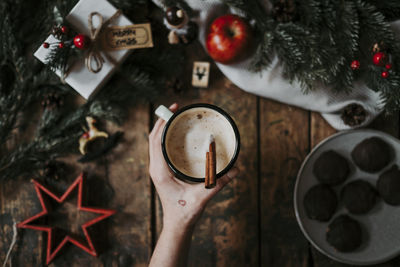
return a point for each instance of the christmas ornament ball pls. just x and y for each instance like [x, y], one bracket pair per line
[385, 74]
[46, 45]
[388, 66]
[378, 58]
[64, 29]
[61, 45]
[81, 41]
[355, 64]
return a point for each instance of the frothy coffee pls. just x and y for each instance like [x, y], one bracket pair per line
[188, 139]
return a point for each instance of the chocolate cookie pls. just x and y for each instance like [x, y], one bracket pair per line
[320, 203]
[358, 197]
[344, 234]
[372, 154]
[388, 186]
[331, 168]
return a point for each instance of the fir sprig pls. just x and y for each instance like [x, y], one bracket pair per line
[319, 46]
[24, 83]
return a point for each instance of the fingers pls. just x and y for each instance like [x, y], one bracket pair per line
[159, 170]
[221, 183]
[224, 180]
[173, 107]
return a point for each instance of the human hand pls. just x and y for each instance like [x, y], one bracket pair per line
[182, 203]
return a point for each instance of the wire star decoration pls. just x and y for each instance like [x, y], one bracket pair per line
[86, 246]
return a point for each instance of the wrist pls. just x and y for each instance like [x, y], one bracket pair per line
[178, 226]
[182, 219]
[178, 231]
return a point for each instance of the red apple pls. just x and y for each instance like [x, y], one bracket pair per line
[229, 39]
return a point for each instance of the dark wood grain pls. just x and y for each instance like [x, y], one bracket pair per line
[283, 145]
[227, 234]
[319, 129]
[387, 123]
[18, 201]
[128, 177]
[251, 222]
[118, 181]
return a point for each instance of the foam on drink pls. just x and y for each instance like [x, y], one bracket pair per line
[188, 139]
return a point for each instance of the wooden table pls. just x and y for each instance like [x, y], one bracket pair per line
[251, 222]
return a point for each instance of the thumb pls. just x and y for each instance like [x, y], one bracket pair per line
[221, 182]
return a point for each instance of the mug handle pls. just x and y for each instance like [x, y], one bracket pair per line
[164, 113]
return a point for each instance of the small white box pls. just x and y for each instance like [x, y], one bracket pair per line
[79, 77]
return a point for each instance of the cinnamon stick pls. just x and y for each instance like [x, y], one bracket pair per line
[207, 174]
[213, 165]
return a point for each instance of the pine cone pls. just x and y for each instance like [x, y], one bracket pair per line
[52, 101]
[284, 10]
[353, 115]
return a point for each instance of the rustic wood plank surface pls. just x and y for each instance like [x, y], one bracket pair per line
[17, 203]
[250, 223]
[319, 129]
[118, 181]
[128, 177]
[227, 234]
[284, 142]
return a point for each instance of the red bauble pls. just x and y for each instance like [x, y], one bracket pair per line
[388, 66]
[64, 29]
[229, 39]
[81, 41]
[61, 45]
[355, 64]
[46, 45]
[379, 58]
[385, 74]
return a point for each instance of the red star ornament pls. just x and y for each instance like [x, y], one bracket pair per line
[89, 248]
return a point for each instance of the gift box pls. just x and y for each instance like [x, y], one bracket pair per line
[79, 77]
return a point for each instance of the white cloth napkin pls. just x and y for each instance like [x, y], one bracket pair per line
[270, 83]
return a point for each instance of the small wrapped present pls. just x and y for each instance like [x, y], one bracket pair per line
[79, 76]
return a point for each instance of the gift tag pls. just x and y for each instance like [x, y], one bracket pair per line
[201, 73]
[127, 37]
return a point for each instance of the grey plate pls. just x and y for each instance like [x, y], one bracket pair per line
[381, 226]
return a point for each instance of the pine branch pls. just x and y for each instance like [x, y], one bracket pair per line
[264, 53]
[141, 77]
[58, 59]
[389, 8]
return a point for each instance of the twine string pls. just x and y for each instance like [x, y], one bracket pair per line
[13, 242]
[94, 60]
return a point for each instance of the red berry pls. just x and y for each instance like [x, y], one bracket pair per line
[378, 58]
[385, 74]
[46, 45]
[81, 41]
[388, 66]
[355, 64]
[61, 45]
[85, 135]
[64, 29]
